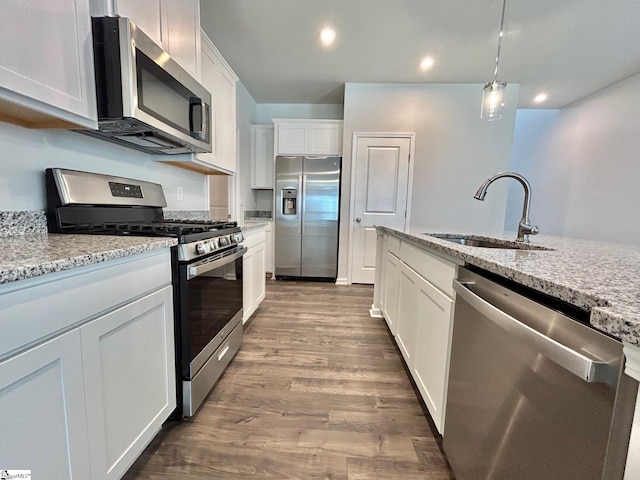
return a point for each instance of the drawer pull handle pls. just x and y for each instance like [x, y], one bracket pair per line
[223, 352]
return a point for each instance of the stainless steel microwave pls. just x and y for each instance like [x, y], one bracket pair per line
[146, 100]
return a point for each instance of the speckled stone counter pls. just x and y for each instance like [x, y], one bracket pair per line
[603, 278]
[186, 215]
[249, 225]
[14, 223]
[29, 256]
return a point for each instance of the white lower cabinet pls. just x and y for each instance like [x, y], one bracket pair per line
[253, 271]
[129, 380]
[87, 375]
[390, 284]
[416, 301]
[42, 411]
[434, 326]
[269, 265]
[409, 293]
[391, 292]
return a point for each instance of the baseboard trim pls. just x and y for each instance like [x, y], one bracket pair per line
[342, 281]
[375, 312]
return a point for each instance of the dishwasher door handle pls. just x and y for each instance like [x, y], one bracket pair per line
[588, 369]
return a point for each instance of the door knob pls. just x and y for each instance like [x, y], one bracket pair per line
[358, 219]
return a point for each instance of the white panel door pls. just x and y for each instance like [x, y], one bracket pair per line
[42, 411]
[129, 376]
[381, 183]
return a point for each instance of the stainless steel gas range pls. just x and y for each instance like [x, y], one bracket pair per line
[207, 267]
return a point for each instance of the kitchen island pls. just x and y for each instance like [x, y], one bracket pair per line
[416, 271]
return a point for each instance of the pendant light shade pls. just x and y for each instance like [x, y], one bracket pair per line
[492, 100]
[493, 92]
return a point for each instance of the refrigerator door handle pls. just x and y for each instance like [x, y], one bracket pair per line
[304, 202]
[300, 202]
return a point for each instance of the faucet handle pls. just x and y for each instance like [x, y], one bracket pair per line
[527, 229]
[524, 230]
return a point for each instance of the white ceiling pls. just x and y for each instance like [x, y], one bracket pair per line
[566, 48]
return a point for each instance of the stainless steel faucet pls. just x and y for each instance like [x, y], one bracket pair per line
[524, 227]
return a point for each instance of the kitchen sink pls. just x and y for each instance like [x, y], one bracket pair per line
[485, 242]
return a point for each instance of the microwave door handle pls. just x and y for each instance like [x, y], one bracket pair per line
[196, 107]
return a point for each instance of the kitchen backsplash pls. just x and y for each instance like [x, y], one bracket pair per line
[17, 223]
[186, 214]
[251, 214]
[22, 223]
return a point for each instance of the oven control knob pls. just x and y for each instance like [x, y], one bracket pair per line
[237, 238]
[212, 245]
[224, 241]
[202, 248]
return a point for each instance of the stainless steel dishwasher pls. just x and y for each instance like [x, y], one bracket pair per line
[534, 394]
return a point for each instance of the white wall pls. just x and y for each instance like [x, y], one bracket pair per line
[583, 163]
[26, 153]
[266, 111]
[454, 152]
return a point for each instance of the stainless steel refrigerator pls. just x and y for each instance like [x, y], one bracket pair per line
[307, 206]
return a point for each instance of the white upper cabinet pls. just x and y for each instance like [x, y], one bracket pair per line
[308, 137]
[173, 24]
[181, 32]
[220, 80]
[262, 157]
[46, 64]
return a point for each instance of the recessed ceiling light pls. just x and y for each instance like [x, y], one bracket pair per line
[541, 97]
[426, 63]
[327, 36]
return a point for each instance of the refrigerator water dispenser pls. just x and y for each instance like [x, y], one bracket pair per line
[289, 198]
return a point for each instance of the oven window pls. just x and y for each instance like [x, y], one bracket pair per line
[214, 298]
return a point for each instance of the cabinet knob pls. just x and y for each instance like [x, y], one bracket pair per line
[358, 219]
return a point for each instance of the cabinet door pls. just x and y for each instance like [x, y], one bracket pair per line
[392, 276]
[181, 33]
[145, 14]
[408, 310]
[431, 361]
[258, 276]
[225, 113]
[46, 64]
[383, 275]
[325, 139]
[129, 378]
[248, 266]
[221, 82]
[42, 411]
[268, 256]
[292, 139]
[262, 157]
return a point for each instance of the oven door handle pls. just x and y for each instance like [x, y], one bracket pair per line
[195, 270]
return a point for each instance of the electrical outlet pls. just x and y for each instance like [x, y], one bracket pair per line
[179, 194]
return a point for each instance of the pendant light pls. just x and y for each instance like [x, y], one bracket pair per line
[493, 92]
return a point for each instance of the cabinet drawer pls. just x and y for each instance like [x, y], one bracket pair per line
[393, 245]
[254, 237]
[433, 268]
[75, 296]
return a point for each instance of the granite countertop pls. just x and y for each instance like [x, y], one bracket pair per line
[602, 278]
[253, 224]
[29, 256]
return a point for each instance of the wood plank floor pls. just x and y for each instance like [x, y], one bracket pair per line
[318, 391]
